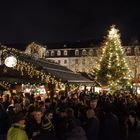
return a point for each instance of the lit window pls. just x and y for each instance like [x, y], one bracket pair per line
[136, 50]
[91, 52]
[52, 53]
[65, 53]
[128, 51]
[76, 52]
[65, 61]
[59, 62]
[84, 52]
[76, 61]
[47, 53]
[83, 61]
[95, 52]
[58, 53]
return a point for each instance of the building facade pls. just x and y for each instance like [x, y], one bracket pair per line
[76, 59]
[85, 59]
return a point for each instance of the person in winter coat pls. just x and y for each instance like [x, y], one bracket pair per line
[109, 128]
[11, 114]
[3, 122]
[75, 132]
[16, 131]
[5, 101]
[48, 131]
[60, 122]
[92, 125]
[34, 125]
[133, 126]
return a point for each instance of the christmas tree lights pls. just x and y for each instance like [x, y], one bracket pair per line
[113, 69]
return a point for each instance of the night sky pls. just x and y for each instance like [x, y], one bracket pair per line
[50, 21]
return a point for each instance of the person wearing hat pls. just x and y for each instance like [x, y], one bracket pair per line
[16, 131]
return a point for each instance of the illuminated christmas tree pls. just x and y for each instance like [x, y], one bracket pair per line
[113, 68]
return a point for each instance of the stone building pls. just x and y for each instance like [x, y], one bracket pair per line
[76, 59]
[82, 59]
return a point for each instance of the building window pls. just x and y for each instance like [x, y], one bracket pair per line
[91, 52]
[84, 52]
[76, 61]
[52, 53]
[47, 53]
[95, 52]
[65, 52]
[59, 62]
[98, 51]
[65, 61]
[128, 51]
[58, 53]
[136, 50]
[83, 61]
[76, 52]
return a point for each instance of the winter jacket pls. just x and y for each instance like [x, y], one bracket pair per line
[92, 129]
[32, 127]
[3, 122]
[110, 127]
[76, 133]
[17, 132]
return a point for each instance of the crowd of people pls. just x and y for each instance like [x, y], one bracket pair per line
[79, 116]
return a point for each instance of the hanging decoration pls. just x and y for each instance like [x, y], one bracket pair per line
[13, 58]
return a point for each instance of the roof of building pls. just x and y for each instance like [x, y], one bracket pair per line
[58, 45]
[42, 68]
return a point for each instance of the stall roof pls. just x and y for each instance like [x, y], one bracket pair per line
[68, 76]
[54, 69]
[59, 71]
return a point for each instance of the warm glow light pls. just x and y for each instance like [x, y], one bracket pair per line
[10, 61]
[113, 32]
[113, 69]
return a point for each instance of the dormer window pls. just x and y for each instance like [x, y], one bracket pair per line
[76, 52]
[58, 53]
[91, 52]
[84, 52]
[65, 52]
[95, 52]
[128, 50]
[47, 53]
[65, 61]
[136, 50]
[59, 62]
[52, 53]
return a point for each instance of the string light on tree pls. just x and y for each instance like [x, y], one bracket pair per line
[113, 69]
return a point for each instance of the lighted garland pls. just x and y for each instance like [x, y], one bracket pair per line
[26, 68]
[5, 84]
[114, 70]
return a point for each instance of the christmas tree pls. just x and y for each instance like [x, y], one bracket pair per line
[113, 68]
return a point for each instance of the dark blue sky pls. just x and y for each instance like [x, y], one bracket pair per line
[48, 21]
